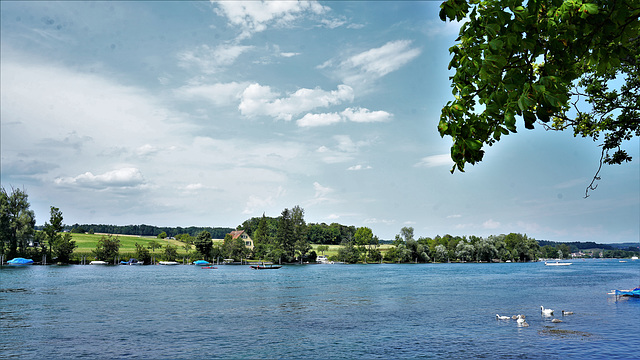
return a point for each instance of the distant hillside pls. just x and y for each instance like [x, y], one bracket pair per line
[148, 230]
[593, 245]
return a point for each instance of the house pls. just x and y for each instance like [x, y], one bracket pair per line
[244, 236]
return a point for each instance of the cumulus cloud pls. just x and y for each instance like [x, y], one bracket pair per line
[259, 203]
[313, 120]
[211, 60]
[259, 100]
[434, 161]
[373, 64]
[121, 178]
[255, 16]
[358, 114]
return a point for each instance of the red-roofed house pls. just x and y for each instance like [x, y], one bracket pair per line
[242, 235]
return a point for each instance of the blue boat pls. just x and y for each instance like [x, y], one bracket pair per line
[132, 261]
[632, 293]
[201, 262]
[20, 261]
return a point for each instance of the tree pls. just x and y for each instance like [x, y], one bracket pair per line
[203, 243]
[170, 252]
[162, 235]
[322, 248]
[17, 222]
[142, 254]
[53, 227]
[63, 248]
[153, 245]
[363, 237]
[107, 248]
[537, 60]
[286, 236]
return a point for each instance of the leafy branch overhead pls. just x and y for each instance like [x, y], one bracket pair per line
[540, 61]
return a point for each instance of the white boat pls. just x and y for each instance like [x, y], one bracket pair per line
[98, 262]
[634, 258]
[322, 259]
[168, 263]
[557, 263]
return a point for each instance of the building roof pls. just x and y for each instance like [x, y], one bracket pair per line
[236, 234]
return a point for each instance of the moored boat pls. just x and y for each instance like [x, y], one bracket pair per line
[630, 293]
[168, 263]
[201, 262]
[20, 261]
[557, 263]
[98, 262]
[265, 267]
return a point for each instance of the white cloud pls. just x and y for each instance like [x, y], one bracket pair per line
[359, 167]
[373, 64]
[211, 60]
[257, 203]
[360, 115]
[435, 160]
[312, 120]
[121, 178]
[363, 115]
[321, 194]
[289, 54]
[255, 16]
[261, 100]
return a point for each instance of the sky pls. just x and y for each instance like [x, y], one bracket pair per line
[211, 113]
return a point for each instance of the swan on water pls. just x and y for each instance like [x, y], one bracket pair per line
[502, 317]
[567, 312]
[521, 320]
[546, 312]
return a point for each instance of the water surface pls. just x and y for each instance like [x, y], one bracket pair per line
[319, 311]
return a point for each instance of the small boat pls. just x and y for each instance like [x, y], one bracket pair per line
[132, 261]
[557, 263]
[98, 262]
[322, 259]
[201, 262]
[630, 293]
[20, 261]
[168, 263]
[265, 267]
[209, 267]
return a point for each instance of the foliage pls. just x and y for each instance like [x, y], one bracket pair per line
[142, 254]
[63, 248]
[203, 243]
[162, 235]
[170, 252]
[537, 60]
[150, 230]
[17, 222]
[153, 245]
[107, 248]
[53, 227]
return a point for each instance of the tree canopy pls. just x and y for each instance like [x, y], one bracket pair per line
[552, 62]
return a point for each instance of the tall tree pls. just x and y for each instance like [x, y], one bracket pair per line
[536, 60]
[286, 235]
[203, 243]
[17, 222]
[53, 228]
[107, 248]
[363, 237]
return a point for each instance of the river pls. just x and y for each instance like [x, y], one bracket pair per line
[385, 311]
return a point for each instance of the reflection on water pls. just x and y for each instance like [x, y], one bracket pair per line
[318, 311]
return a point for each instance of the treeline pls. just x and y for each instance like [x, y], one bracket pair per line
[315, 233]
[147, 230]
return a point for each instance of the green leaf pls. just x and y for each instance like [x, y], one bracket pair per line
[496, 44]
[529, 119]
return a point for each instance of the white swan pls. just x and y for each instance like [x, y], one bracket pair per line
[521, 320]
[567, 312]
[502, 317]
[546, 312]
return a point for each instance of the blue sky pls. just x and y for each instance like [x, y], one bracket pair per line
[210, 113]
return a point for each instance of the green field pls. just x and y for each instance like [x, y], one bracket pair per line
[87, 242]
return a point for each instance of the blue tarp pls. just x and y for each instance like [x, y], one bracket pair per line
[201, 262]
[20, 261]
[635, 292]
